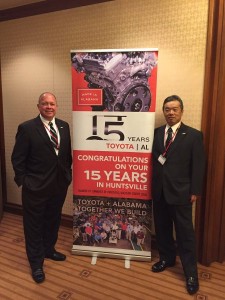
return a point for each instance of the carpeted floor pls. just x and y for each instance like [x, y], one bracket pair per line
[78, 279]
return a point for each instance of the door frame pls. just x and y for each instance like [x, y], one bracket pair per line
[210, 210]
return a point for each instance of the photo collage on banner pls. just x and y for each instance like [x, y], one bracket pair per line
[113, 99]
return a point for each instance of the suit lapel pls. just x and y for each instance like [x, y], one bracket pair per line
[42, 131]
[61, 133]
[161, 138]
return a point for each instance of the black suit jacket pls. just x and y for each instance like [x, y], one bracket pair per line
[182, 173]
[36, 165]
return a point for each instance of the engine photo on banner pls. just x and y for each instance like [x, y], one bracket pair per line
[113, 102]
[122, 76]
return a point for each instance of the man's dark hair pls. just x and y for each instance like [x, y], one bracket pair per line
[173, 98]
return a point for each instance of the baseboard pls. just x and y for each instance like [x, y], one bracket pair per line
[66, 220]
[16, 209]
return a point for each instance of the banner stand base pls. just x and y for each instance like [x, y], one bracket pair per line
[94, 259]
[126, 261]
[120, 254]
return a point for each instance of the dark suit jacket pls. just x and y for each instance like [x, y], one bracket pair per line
[182, 173]
[36, 165]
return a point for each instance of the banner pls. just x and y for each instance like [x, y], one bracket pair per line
[113, 99]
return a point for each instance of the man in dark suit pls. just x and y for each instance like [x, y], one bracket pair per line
[42, 161]
[178, 167]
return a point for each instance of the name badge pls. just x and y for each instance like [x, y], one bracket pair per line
[161, 159]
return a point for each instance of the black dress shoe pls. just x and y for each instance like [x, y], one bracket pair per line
[57, 256]
[192, 285]
[161, 266]
[38, 275]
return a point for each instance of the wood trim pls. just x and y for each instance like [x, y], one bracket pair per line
[210, 224]
[44, 7]
[2, 145]
[13, 208]
[221, 122]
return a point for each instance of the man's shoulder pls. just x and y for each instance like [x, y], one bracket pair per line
[60, 121]
[29, 122]
[57, 120]
[190, 129]
[160, 128]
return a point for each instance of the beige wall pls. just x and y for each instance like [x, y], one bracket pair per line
[35, 57]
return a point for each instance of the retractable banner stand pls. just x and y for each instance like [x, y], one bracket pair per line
[113, 94]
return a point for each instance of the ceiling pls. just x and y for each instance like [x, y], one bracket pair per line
[5, 4]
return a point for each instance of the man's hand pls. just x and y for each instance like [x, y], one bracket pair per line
[193, 198]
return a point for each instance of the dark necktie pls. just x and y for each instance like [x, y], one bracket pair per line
[169, 136]
[54, 137]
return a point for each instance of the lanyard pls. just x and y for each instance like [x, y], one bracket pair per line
[50, 130]
[170, 142]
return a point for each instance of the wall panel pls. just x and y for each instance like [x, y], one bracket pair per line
[35, 57]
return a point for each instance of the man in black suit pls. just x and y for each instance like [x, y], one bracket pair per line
[42, 161]
[178, 167]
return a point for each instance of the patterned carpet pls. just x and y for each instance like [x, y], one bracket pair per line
[78, 279]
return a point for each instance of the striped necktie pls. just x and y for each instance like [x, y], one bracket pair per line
[169, 136]
[54, 137]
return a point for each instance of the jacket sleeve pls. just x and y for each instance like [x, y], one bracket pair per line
[19, 155]
[69, 155]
